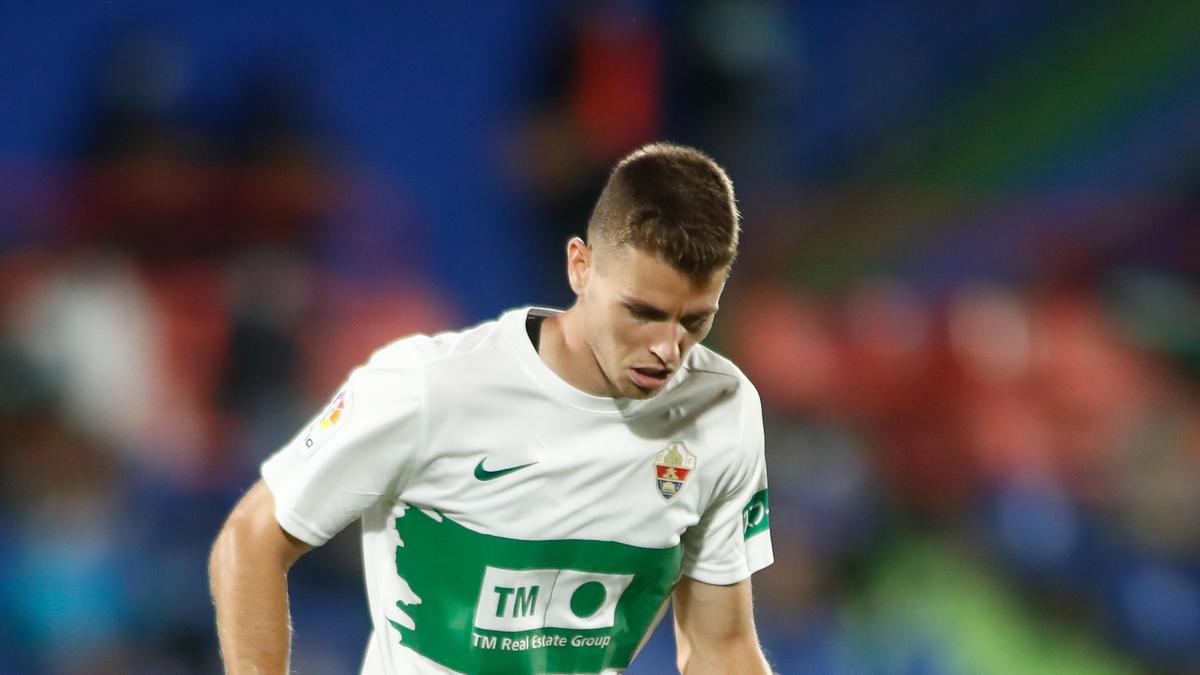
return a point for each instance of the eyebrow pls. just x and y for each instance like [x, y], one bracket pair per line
[657, 314]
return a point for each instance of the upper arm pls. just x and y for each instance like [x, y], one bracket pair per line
[732, 539]
[253, 520]
[714, 628]
[362, 447]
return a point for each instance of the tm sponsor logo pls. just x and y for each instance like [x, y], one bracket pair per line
[512, 601]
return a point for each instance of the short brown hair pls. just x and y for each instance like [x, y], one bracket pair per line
[672, 201]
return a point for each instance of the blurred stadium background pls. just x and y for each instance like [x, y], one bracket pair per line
[968, 295]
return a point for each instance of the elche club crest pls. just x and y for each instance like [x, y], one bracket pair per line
[672, 467]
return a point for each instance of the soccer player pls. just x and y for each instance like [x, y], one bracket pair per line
[535, 489]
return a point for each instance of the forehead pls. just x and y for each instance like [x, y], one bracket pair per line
[647, 277]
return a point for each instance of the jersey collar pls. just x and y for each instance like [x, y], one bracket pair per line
[512, 323]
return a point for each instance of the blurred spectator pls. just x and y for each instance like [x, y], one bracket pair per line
[737, 73]
[596, 94]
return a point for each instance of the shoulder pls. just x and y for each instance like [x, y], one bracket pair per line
[395, 380]
[725, 413]
[717, 371]
[421, 350]
[738, 405]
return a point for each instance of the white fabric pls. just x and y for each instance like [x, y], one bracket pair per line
[424, 411]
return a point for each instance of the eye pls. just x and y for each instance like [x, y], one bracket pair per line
[643, 314]
[694, 325]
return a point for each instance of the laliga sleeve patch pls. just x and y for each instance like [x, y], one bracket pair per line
[756, 517]
[330, 420]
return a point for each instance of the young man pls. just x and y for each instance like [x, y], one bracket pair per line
[533, 490]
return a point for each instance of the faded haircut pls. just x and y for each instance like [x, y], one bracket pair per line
[672, 201]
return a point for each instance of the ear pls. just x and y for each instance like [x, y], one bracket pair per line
[579, 264]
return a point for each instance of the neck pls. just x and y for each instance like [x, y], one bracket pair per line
[565, 351]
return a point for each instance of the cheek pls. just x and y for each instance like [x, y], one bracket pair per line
[609, 331]
[691, 340]
[629, 334]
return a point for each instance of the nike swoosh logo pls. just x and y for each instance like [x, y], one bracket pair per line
[483, 474]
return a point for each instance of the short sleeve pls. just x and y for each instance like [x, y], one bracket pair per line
[733, 538]
[361, 447]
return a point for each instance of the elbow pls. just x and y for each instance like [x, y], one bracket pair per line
[683, 653]
[223, 558]
[726, 656]
[252, 536]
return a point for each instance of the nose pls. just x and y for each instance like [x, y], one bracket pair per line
[668, 345]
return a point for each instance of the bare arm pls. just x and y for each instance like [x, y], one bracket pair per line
[714, 629]
[248, 577]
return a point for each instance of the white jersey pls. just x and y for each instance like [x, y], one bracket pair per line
[514, 524]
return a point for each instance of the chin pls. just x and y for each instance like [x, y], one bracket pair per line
[636, 392]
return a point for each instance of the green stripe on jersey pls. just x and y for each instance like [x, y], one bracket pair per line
[756, 517]
[492, 604]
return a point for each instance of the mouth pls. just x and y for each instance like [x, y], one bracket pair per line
[649, 378]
